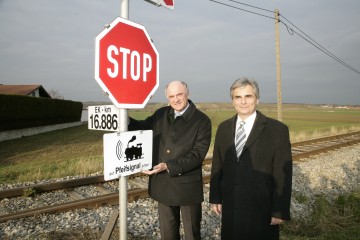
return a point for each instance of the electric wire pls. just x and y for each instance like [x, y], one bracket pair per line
[228, 5]
[316, 44]
[290, 30]
[245, 4]
[327, 53]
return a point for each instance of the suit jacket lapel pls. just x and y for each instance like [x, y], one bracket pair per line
[232, 134]
[256, 130]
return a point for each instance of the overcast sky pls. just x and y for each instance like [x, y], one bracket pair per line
[208, 45]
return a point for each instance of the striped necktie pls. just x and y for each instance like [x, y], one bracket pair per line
[240, 138]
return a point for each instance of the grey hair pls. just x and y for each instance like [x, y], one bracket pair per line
[243, 82]
[182, 83]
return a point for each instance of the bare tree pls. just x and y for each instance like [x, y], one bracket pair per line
[55, 94]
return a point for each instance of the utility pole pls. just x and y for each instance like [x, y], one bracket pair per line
[278, 65]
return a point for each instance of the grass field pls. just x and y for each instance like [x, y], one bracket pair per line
[304, 121]
[79, 151]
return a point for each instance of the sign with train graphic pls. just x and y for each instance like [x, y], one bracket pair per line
[127, 153]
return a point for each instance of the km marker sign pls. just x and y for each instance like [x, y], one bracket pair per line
[126, 64]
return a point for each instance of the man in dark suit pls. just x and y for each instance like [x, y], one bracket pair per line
[181, 140]
[251, 173]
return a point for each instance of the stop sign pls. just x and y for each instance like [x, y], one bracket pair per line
[126, 64]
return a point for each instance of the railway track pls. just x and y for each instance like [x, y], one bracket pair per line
[137, 184]
[305, 149]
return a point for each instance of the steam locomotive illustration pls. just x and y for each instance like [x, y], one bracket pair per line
[133, 152]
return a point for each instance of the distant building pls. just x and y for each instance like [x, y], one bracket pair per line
[26, 90]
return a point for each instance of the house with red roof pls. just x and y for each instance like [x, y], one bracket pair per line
[26, 90]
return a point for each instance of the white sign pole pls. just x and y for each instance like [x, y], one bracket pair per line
[123, 126]
[123, 184]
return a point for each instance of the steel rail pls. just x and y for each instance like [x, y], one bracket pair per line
[88, 203]
[299, 156]
[305, 149]
[324, 139]
[44, 187]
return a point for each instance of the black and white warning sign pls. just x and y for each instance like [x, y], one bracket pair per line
[127, 153]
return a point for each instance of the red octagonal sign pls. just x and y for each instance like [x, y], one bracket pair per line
[126, 64]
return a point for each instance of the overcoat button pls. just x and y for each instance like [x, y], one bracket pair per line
[168, 151]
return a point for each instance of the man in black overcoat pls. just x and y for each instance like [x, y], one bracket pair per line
[181, 140]
[251, 181]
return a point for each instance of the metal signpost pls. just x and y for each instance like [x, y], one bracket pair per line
[127, 70]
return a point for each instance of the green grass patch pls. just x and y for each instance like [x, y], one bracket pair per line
[60, 153]
[336, 220]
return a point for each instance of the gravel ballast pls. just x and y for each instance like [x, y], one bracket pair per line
[330, 175]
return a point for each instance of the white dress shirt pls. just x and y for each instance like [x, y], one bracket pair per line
[249, 123]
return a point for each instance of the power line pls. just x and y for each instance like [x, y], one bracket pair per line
[251, 6]
[291, 31]
[317, 45]
[228, 5]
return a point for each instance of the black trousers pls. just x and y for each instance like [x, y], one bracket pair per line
[169, 217]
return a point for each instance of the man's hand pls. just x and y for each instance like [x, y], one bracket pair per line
[156, 169]
[276, 221]
[216, 208]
